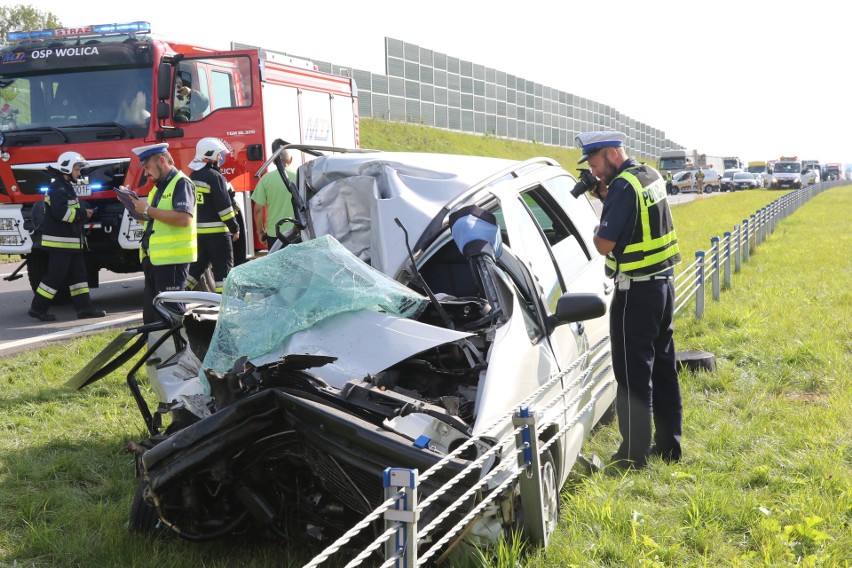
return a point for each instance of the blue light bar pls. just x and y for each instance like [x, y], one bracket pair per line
[132, 27]
[83, 31]
[21, 36]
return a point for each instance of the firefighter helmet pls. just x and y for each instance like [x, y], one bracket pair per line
[208, 150]
[67, 160]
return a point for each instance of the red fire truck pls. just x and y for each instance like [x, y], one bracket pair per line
[102, 90]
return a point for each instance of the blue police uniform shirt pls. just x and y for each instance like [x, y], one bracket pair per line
[618, 216]
[183, 198]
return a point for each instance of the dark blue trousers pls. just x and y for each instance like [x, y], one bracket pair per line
[163, 278]
[643, 358]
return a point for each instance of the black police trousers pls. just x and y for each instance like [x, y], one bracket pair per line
[643, 359]
[162, 278]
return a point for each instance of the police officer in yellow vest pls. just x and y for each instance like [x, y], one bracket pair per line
[637, 236]
[169, 242]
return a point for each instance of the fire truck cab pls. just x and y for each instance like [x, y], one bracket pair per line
[102, 90]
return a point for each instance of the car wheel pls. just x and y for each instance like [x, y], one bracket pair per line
[675, 190]
[143, 514]
[550, 498]
[550, 492]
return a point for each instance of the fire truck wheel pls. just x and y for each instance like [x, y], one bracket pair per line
[36, 268]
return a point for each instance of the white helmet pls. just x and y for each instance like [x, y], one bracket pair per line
[67, 160]
[208, 150]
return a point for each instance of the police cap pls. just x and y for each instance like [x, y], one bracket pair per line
[145, 152]
[591, 142]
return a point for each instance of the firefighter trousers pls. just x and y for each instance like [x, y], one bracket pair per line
[216, 252]
[643, 359]
[63, 267]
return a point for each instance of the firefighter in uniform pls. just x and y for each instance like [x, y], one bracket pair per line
[637, 236]
[64, 240]
[699, 180]
[169, 241]
[217, 226]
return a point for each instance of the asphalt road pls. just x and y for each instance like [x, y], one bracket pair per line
[119, 294]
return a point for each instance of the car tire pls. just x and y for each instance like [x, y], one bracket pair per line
[550, 496]
[143, 514]
[550, 492]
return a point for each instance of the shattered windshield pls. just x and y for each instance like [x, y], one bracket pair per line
[267, 300]
[77, 98]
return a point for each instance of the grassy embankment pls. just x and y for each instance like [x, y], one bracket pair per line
[768, 438]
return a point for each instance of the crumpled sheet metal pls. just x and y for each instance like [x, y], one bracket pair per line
[267, 300]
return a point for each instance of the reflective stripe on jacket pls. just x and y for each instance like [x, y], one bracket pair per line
[653, 245]
[214, 211]
[170, 244]
[64, 217]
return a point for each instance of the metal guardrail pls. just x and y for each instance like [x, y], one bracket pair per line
[728, 252]
[406, 544]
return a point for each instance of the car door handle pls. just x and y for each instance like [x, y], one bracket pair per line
[608, 288]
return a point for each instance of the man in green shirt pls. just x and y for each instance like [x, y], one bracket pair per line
[273, 199]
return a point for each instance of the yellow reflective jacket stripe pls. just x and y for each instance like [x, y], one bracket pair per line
[169, 244]
[69, 243]
[649, 254]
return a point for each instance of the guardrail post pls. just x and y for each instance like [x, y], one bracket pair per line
[773, 216]
[752, 241]
[746, 239]
[764, 224]
[714, 250]
[532, 494]
[727, 259]
[738, 253]
[403, 546]
[699, 288]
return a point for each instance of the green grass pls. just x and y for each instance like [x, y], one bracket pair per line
[767, 445]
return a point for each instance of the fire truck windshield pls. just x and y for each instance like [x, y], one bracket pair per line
[39, 104]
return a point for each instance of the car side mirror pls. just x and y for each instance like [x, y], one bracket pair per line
[576, 307]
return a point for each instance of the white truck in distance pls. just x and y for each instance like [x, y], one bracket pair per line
[810, 172]
[676, 160]
[787, 172]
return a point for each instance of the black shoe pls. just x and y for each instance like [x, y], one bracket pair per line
[90, 312]
[668, 456]
[619, 463]
[41, 316]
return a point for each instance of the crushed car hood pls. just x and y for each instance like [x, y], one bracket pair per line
[392, 339]
[317, 298]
